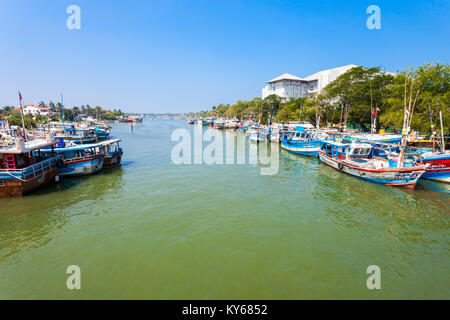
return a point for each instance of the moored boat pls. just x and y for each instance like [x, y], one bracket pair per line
[78, 136]
[357, 159]
[438, 166]
[79, 160]
[258, 133]
[23, 168]
[102, 132]
[112, 152]
[219, 124]
[304, 143]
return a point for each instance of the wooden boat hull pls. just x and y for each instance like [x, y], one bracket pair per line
[404, 177]
[10, 188]
[113, 161]
[304, 148]
[82, 167]
[102, 135]
[439, 168]
[257, 137]
[86, 140]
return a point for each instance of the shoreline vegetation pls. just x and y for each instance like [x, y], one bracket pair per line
[12, 114]
[353, 99]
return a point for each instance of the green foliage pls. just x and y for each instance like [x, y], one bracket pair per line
[361, 91]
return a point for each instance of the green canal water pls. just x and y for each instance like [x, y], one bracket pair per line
[155, 230]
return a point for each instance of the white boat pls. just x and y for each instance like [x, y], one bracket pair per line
[276, 131]
[258, 133]
[232, 124]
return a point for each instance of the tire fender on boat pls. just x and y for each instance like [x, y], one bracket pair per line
[60, 163]
[340, 166]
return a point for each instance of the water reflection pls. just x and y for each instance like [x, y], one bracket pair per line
[35, 219]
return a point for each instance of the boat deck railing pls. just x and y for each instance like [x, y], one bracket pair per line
[31, 171]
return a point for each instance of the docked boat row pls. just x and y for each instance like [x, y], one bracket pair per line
[30, 159]
[385, 158]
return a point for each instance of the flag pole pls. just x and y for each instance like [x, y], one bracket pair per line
[62, 114]
[21, 114]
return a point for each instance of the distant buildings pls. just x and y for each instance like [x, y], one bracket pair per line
[288, 86]
[34, 110]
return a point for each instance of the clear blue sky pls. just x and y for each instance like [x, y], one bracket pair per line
[180, 56]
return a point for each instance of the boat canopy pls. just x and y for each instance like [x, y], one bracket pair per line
[108, 142]
[28, 146]
[75, 148]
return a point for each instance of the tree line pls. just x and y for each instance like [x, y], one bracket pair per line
[355, 98]
[70, 114]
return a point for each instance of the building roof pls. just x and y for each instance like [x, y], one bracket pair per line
[316, 76]
[284, 76]
[31, 105]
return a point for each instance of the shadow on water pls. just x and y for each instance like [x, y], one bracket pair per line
[127, 163]
[35, 219]
[403, 213]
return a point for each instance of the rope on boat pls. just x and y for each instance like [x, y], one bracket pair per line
[16, 177]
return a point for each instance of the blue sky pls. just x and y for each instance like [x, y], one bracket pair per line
[181, 56]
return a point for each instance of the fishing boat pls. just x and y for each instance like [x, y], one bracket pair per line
[357, 159]
[79, 160]
[23, 168]
[432, 153]
[78, 136]
[232, 124]
[210, 121]
[102, 132]
[390, 138]
[112, 152]
[219, 124]
[258, 133]
[299, 126]
[438, 165]
[277, 131]
[304, 143]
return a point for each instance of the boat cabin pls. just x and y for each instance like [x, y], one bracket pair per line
[23, 166]
[77, 152]
[346, 150]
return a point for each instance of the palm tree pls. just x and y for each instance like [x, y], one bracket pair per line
[98, 112]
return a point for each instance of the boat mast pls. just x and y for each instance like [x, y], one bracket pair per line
[23, 121]
[442, 133]
[62, 115]
[407, 123]
[372, 113]
[433, 133]
[404, 129]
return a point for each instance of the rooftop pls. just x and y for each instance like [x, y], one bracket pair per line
[285, 76]
[316, 75]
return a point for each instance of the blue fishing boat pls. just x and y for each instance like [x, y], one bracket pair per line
[357, 159]
[304, 143]
[102, 133]
[390, 138]
[112, 152]
[23, 168]
[78, 136]
[79, 160]
[219, 124]
[258, 133]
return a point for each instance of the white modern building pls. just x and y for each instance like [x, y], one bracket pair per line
[288, 86]
[34, 110]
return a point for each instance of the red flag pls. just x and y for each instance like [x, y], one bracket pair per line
[20, 96]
